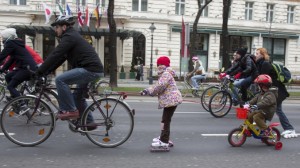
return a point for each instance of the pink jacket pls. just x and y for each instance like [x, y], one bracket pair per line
[166, 90]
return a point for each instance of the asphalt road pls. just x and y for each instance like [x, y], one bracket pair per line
[200, 141]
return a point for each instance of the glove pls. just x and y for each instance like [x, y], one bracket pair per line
[222, 75]
[246, 106]
[238, 75]
[144, 92]
[254, 107]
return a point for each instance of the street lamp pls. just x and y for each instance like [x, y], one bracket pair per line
[152, 28]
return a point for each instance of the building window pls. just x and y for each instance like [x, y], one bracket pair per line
[139, 5]
[276, 49]
[290, 14]
[17, 2]
[201, 48]
[270, 13]
[248, 10]
[205, 10]
[179, 7]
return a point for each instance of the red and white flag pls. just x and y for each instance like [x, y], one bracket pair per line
[48, 13]
[87, 17]
[80, 20]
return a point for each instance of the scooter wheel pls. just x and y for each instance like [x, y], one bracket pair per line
[278, 145]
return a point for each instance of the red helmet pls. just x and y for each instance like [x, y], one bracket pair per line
[264, 80]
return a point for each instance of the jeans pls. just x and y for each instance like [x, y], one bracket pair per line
[197, 78]
[79, 76]
[241, 84]
[282, 118]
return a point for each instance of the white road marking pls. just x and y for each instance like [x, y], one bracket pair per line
[212, 135]
[8, 133]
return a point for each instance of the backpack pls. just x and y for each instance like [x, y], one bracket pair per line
[283, 74]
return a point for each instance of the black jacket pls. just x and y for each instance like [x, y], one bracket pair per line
[246, 66]
[265, 67]
[18, 53]
[76, 50]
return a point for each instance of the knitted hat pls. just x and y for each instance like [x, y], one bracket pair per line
[242, 51]
[163, 60]
[9, 33]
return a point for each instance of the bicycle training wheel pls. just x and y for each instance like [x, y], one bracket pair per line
[220, 104]
[102, 87]
[24, 126]
[272, 138]
[207, 94]
[236, 138]
[114, 122]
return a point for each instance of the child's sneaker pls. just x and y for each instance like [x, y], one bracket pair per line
[265, 133]
[158, 139]
[289, 134]
[160, 144]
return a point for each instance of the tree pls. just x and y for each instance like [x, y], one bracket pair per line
[225, 35]
[113, 43]
[192, 47]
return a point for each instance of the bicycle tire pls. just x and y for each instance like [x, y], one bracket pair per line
[206, 95]
[272, 141]
[102, 87]
[218, 104]
[119, 120]
[235, 138]
[22, 131]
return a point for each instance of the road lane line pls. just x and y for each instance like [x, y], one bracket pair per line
[212, 135]
[8, 133]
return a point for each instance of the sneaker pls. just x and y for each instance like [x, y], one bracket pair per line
[265, 133]
[68, 115]
[289, 134]
[156, 139]
[160, 144]
[24, 109]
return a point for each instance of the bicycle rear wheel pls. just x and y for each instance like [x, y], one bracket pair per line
[207, 94]
[102, 87]
[114, 125]
[220, 104]
[24, 127]
[272, 138]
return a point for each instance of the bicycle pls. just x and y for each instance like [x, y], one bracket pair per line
[113, 118]
[238, 136]
[185, 87]
[220, 103]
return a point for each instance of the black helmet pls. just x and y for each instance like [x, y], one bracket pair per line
[63, 20]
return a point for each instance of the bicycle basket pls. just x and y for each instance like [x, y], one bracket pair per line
[241, 113]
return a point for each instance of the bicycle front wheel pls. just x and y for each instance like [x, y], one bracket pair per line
[114, 121]
[207, 94]
[25, 126]
[220, 104]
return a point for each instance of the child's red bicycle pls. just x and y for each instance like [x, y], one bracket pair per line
[237, 136]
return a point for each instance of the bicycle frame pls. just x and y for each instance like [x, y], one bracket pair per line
[249, 129]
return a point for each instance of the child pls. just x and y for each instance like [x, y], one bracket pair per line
[168, 97]
[265, 102]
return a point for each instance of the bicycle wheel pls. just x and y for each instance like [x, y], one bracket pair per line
[2, 91]
[273, 138]
[114, 125]
[220, 104]
[207, 94]
[236, 138]
[102, 87]
[24, 127]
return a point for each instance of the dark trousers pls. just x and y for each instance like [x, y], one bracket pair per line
[14, 78]
[166, 121]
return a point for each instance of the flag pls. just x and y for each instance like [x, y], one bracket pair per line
[80, 20]
[182, 37]
[68, 10]
[87, 17]
[96, 13]
[48, 13]
[61, 11]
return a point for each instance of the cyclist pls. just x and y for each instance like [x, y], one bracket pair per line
[244, 72]
[265, 103]
[86, 67]
[15, 48]
[264, 67]
[198, 72]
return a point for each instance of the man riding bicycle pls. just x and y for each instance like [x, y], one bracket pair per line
[85, 63]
